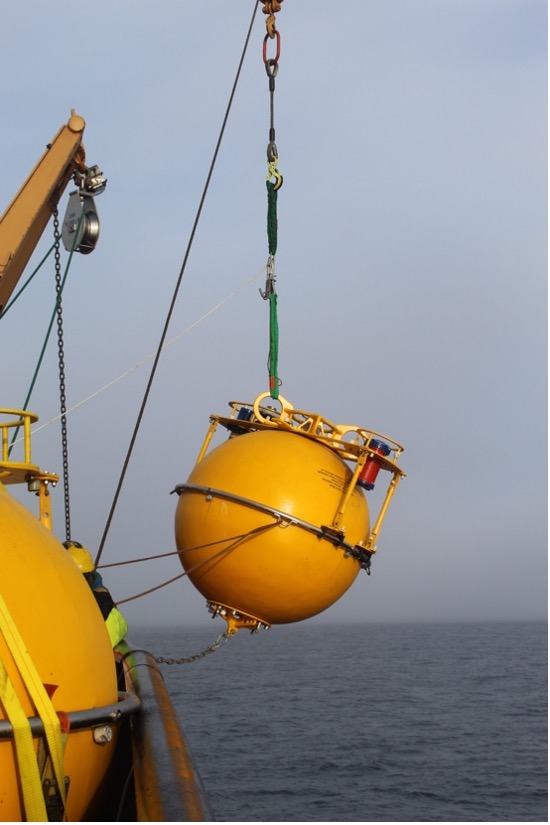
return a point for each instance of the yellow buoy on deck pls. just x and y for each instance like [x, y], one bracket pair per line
[47, 604]
[273, 525]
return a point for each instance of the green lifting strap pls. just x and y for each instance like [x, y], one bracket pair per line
[273, 346]
[273, 323]
[271, 217]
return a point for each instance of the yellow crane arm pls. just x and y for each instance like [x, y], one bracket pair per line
[25, 219]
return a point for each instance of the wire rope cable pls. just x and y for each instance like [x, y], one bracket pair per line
[175, 294]
[151, 355]
[235, 542]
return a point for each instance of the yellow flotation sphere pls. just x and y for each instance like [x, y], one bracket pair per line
[49, 603]
[250, 526]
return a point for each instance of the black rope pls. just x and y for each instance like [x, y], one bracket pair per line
[27, 282]
[175, 295]
[236, 540]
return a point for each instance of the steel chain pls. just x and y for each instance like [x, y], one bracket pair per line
[62, 394]
[185, 660]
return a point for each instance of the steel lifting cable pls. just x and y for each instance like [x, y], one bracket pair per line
[274, 183]
[175, 294]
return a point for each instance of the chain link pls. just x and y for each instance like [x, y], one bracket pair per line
[62, 394]
[185, 660]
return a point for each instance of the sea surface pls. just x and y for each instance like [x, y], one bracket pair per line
[365, 722]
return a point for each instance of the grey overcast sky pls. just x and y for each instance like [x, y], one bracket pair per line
[411, 271]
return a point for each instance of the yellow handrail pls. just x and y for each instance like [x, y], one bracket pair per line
[24, 472]
[24, 419]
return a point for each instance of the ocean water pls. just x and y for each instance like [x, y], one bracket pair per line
[376, 723]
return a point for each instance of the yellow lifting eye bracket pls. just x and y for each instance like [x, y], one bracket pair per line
[351, 442]
[236, 619]
[367, 450]
[39, 483]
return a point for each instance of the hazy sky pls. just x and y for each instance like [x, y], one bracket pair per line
[411, 270]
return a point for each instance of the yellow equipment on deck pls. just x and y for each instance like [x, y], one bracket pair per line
[50, 607]
[272, 526]
[57, 670]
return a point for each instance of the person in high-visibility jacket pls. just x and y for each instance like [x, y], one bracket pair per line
[114, 620]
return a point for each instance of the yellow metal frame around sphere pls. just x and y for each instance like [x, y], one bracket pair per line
[272, 525]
